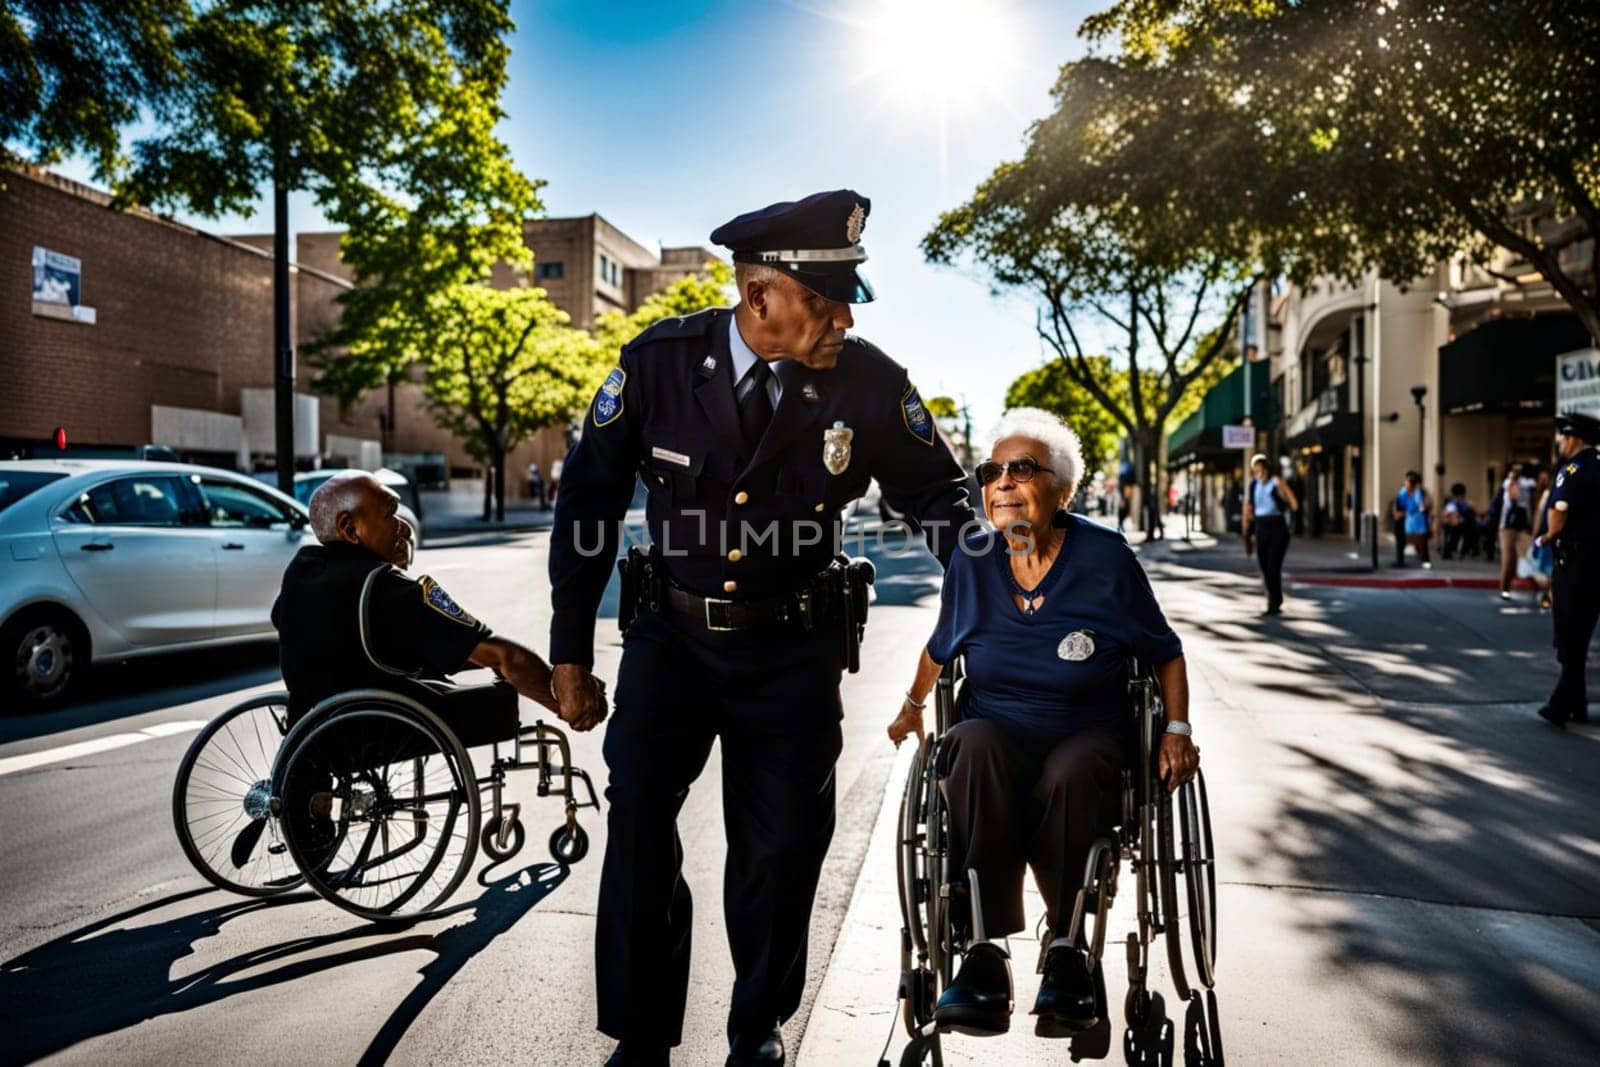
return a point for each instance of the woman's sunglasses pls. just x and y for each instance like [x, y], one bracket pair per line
[1021, 470]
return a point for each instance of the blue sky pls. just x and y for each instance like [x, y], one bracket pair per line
[669, 118]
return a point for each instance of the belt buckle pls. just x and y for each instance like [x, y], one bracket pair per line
[713, 627]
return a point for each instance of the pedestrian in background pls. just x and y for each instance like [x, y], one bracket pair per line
[536, 486]
[1459, 525]
[1411, 509]
[1514, 510]
[1397, 523]
[1267, 508]
[1541, 554]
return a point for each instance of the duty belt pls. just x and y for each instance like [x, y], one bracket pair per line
[724, 616]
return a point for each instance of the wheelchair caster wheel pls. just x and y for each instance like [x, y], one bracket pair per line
[491, 836]
[569, 847]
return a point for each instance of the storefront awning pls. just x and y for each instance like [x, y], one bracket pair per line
[1330, 429]
[1507, 365]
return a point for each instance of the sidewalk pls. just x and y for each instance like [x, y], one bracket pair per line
[1331, 560]
[459, 510]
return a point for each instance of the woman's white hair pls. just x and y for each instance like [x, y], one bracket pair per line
[1059, 439]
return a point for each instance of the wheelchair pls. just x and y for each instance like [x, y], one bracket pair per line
[370, 797]
[1137, 826]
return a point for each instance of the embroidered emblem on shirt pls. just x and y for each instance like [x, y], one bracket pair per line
[669, 455]
[1572, 468]
[836, 447]
[608, 401]
[809, 394]
[1076, 646]
[436, 598]
[918, 421]
[709, 363]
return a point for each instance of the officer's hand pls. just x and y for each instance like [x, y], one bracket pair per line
[579, 695]
[908, 722]
[1180, 758]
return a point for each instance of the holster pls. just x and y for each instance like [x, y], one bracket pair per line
[847, 592]
[644, 581]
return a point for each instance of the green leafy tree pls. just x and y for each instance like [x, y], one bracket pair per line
[1142, 264]
[1382, 135]
[75, 74]
[1053, 389]
[500, 364]
[710, 288]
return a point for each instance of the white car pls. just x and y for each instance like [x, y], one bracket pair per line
[110, 559]
[308, 482]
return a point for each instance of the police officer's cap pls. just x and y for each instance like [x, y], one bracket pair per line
[815, 241]
[1584, 427]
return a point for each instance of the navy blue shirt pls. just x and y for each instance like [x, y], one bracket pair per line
[1064, 668]
[1576, 483]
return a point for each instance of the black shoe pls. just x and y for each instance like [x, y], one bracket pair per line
[1578, 716]
[1067, 1002]
[978, 1002]
[756, 1047]
[639, 1054]
[1553, 717]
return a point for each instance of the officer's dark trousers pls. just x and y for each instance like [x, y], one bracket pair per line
[1575, 605]
[1013, 807]
[1272, 544]
[772, 697]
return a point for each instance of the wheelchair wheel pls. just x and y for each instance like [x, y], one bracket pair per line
[1199, 876]
[569, 846]
[916, 895]
[222, 800]
[1167, 883]
[379, 807]
[490, 839]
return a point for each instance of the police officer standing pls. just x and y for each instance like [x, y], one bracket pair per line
[751, 429]
[1574, 519]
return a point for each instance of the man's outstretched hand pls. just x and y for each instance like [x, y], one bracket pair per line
[580, 696]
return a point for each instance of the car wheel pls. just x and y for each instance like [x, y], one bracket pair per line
[46, 655]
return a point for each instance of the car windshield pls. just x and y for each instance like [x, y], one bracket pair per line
[14, 485]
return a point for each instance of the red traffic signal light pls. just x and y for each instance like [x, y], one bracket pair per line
[61, 438]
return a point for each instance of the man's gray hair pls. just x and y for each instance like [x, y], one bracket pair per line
[1059, 439]
[338, 494]
[754, 272]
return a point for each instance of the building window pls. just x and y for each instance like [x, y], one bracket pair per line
[605, 268]
[551, 269]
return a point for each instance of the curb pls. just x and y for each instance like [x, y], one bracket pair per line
[1432, 582]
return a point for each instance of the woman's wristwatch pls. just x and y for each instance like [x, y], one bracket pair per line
[1182, 729]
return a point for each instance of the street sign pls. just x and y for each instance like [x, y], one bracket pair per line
[1238, 437]
[1578, 383]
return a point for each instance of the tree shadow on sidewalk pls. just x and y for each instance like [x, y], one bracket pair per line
[109, 975]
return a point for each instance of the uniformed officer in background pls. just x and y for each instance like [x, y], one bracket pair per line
[751, 428]
[1574, 520]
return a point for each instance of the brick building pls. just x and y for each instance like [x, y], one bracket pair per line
[151, 332]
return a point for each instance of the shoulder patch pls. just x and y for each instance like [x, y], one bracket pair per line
[435, 597]
[608, 401]
[919, 423]
[1572, 468]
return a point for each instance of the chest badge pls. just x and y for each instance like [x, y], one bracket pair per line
[836, 447]
[1076, 646]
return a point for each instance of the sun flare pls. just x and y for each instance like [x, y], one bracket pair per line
[949, 54]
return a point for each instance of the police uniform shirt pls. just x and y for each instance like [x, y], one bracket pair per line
[731, 524]
[1064, 669]
[744, 357]
[413, 627]
[1575, 492]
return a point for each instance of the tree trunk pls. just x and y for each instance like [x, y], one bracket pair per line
[1147, 448]
[499, 485]
[488, 491]
[389, 443]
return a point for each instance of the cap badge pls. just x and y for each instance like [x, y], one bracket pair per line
[1076, 646]
[836, 447]
[854, 224]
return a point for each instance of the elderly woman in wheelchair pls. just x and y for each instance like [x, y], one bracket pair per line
[357, 780]
[1045, 615]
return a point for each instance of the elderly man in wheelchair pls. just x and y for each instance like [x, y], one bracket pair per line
[357, 780]
[1048, 751]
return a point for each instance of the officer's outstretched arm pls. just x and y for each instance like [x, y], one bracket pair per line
[596, 487]
[920, 476]
[518, 665]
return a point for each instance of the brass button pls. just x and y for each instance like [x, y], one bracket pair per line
[730, 587]
[660, 480]
[819, 507]
[735, 556]
[741, 497]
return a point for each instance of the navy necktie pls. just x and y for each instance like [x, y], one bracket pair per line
[755, 406]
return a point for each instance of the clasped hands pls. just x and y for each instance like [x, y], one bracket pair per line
[580, 696]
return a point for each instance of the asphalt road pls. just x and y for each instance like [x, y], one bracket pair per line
[116, 951]
[1410, 862]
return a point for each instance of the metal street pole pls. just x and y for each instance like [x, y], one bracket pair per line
[282, 342]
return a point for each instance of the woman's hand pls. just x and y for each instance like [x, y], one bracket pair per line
[1180, 758]
[908, 722]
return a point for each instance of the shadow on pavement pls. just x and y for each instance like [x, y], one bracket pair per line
[1152, 1043]
[109, 976]
[149, 683]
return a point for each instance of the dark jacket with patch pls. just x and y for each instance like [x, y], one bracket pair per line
[731, 524]
[413, 628]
